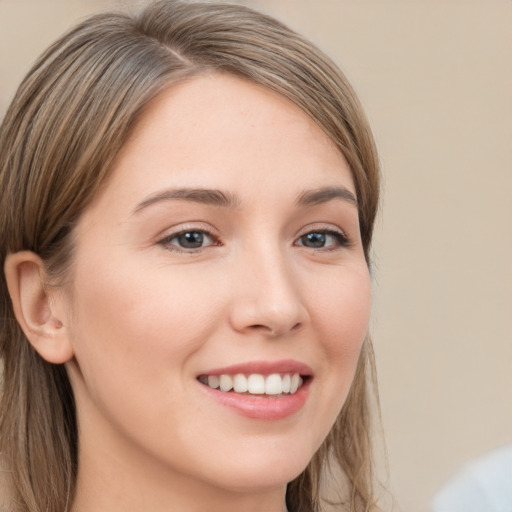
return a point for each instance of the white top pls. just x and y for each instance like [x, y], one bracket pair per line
[482, 485]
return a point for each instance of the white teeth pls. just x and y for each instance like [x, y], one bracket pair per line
[240, 383]
[226, 383]
[273, 384]
[286, 383]
[213, 381]
[295, 382]
[255, 384]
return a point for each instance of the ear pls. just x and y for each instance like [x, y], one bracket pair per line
[38, 307]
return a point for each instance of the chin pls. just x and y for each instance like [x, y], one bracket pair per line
[248, 475]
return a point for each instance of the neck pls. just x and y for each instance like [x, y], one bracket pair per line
[116, 479]
[93, 496]
[129, 491]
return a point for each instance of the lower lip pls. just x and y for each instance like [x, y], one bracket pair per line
[268, 408]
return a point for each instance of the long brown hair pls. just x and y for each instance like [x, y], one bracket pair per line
[64, 128]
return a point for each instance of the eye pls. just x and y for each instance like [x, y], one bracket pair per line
[189, 240]
[323, 239]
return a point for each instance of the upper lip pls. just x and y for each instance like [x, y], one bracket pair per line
[263, 367]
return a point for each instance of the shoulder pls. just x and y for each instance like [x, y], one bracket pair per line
[482, 484]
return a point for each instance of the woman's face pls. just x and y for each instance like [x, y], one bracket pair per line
[224, 250]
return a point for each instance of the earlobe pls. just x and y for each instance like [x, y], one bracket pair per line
[37, 307]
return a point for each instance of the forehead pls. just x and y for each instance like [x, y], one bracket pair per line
[217, 130]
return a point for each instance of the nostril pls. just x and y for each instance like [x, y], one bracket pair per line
[261, 327]
[270, 316]
[275, 330]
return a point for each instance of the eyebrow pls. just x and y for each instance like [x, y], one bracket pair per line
[197, 195]
[215, 197]
[325, 194]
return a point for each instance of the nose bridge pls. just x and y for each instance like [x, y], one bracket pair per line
[268, 297]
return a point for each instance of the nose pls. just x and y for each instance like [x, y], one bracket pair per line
[268, 297]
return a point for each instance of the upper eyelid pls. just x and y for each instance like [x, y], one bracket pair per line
[174, 234]
[341, 237]
[165, 241]
[323, 228]
[205, 225]
[344, 240]
[306, 229]
[183, 228]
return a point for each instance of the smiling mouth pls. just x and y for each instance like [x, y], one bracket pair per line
[275, 384]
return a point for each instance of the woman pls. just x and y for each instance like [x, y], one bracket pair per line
[188, 203]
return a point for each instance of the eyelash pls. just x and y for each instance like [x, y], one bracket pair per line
[166, 242]
[342, 240]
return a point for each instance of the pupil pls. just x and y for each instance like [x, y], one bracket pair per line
[315, 239]
[191, 240]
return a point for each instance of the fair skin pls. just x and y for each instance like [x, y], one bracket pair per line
[168, 287]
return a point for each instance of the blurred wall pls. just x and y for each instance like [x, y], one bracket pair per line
[436, 80]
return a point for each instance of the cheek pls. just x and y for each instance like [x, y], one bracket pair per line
[138, 321]
[341, 312]
[155, 303]
[134, 332]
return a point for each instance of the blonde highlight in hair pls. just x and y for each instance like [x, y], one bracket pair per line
[58, 141]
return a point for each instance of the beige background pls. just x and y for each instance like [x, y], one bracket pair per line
[436, 80]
